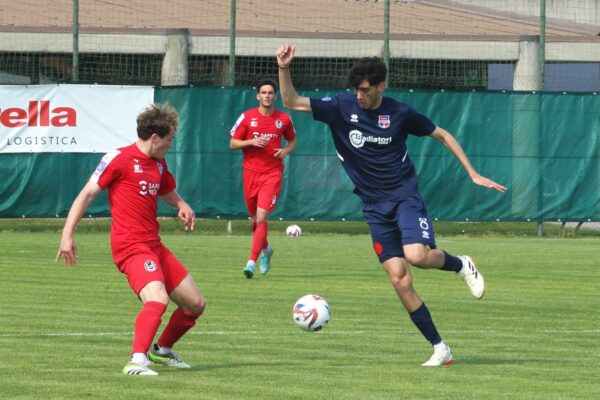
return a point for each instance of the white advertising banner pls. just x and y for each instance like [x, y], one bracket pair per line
[70, 118]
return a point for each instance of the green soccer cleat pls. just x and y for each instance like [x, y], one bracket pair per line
[170, 359]
[249, 271]
[138, 369]
[265, 260]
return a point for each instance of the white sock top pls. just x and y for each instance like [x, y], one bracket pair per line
[139, 358]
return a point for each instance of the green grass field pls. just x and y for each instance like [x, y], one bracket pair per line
[65, 333]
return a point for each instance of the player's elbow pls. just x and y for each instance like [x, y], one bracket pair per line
[293, 104]
[287, 103]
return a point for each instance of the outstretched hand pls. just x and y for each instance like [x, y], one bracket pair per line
[68, 251]
[488, 183]
[285, 55]
[188, 216]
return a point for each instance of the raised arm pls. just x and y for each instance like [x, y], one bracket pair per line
[68, 248]
[291, 99]
[455, 148]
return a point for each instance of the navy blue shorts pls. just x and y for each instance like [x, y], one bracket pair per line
[397, 223]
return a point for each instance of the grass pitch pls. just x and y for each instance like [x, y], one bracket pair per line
[65, 333]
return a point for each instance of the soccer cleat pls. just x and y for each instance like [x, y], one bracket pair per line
[472, 277]
[170, 359]
[249, 271]
[138, 369]
[439, 357]
[265, 260]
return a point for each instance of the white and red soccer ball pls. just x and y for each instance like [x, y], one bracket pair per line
[293, 231]
[311, 313]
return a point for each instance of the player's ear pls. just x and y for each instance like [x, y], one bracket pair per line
[381, 87]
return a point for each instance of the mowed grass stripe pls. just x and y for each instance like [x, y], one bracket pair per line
[535, 334]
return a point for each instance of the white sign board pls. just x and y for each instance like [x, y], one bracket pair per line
[70, 118]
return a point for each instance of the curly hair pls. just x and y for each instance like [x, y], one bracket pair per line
[159, 118]
[371, 69]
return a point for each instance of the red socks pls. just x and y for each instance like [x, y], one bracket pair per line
[259, 239]
[146, 325]
[181, 321]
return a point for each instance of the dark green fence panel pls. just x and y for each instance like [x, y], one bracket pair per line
[543, 146]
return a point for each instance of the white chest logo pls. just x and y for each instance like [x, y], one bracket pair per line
[357, 139]
[148, 187]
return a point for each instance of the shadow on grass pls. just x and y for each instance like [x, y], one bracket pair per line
[488, 361]
[163, 370]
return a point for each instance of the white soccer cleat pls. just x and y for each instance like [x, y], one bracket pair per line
[439, 357]
[138, 369]
[472, 277]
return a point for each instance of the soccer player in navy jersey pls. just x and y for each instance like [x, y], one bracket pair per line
[258, 132]
[135, 177]
[369, 131]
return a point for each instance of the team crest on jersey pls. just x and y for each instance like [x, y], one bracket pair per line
[150, 266]
[101, 166]
[384, 121]
[278, 124]
[160, 168]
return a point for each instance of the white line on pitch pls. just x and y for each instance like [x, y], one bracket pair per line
[329, 332]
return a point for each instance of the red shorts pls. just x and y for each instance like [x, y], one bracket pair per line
[261, 189]
[152, 263]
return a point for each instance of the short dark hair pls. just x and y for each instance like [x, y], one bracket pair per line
[158, 118]
[371, 69]
[266, 81]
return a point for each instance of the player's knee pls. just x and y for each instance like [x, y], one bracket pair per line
[155, 293]
[416, 258]
[402, 282]
[197, 306]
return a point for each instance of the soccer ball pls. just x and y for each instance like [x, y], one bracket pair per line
[293, 231]
[311, 313]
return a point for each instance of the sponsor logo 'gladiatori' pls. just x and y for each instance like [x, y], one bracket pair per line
[357, 139]
[38, 113]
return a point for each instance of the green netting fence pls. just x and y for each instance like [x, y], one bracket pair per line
[543, 146]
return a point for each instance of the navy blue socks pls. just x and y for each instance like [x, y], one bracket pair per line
[422, 319]
[451, 263]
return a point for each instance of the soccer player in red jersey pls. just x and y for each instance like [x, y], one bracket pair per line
[258, 132]
[135, 177]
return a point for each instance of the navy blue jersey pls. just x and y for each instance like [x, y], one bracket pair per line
[372, 143]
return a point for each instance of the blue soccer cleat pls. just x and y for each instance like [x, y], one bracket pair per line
[249, 271]
[265, 260]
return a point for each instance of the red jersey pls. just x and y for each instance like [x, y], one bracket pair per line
[275, 127]
[134, 182]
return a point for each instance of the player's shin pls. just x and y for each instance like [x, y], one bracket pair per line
[180, 322]
[146, 325]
